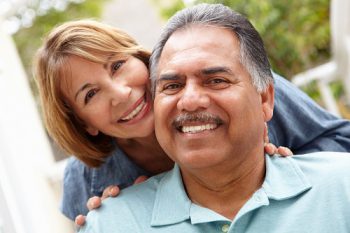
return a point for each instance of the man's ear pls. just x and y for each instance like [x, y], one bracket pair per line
[267, 101]
[92, 131]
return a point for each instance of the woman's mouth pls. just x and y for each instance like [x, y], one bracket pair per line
[136, 111]
[139, 106]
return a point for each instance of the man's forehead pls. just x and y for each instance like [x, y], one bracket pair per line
[205, 34]
[199, 45]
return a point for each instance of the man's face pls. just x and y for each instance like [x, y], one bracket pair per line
[207, 111]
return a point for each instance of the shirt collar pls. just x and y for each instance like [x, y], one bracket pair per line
[172, 204]
[284, 179]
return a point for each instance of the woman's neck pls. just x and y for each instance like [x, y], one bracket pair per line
[146, 153]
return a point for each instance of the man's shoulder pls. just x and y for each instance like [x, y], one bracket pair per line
[128, 210]
[143, 193]
[324, 159]
[324, 166]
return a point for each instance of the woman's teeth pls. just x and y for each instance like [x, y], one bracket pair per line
[135, 112]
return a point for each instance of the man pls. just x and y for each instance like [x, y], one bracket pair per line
[213, 94]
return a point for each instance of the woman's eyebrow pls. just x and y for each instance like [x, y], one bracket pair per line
[85, 86]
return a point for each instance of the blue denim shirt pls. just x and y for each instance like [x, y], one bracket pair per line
[298, 123]
[81, 182]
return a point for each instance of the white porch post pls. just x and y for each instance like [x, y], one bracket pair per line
[340, 38]
[27, 201]
[339, 66]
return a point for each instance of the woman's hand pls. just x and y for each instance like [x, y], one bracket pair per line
[95, 202]
[271, 149]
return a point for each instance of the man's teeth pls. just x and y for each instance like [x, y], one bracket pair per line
[197, 128]
[135, 112]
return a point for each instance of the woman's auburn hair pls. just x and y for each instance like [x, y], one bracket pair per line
[95, 42]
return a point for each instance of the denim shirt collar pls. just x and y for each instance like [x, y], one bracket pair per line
[284, 179]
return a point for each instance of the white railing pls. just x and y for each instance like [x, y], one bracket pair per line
[339, 66]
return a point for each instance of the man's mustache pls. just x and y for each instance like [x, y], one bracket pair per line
[203, 117]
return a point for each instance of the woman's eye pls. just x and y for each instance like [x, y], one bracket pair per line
[89, 95]
[116, 65]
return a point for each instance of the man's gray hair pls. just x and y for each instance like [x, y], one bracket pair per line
[252, 53]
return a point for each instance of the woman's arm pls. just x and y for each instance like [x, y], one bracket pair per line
[81, 182]
[301, 125]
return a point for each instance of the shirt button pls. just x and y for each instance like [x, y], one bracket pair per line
[225, 228]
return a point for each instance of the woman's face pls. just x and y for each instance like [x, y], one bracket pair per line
[113, 98]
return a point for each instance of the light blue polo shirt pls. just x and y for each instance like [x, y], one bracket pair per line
[304, 193]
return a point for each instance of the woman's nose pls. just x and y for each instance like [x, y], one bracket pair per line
[119, 93]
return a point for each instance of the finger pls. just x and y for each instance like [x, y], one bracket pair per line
[284, 151]
[110, 191]
[140, 179]
[270, 148]
[93, 203]
[80, 220]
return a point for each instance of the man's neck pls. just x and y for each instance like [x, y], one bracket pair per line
[225, 189]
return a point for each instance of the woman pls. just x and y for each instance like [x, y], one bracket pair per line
[93, 83]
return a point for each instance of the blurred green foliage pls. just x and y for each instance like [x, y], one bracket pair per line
[296, 33]
[28, 40]
[169, 7]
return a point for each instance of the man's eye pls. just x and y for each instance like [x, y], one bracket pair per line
[217, 83]
[216, 80]
[171, 88]
[116, 65]
[89, 95]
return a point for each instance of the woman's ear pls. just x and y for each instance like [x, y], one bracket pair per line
[92, 131]
[267, 101]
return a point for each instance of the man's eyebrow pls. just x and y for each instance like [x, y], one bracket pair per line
[205, 71]
[81, 89]
[168, 77]
[215, 70]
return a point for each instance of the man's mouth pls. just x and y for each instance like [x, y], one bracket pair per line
[141, 104]
[197, 128]
[196, 122]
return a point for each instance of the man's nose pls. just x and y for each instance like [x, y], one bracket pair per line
[119, 93]
[193, 98]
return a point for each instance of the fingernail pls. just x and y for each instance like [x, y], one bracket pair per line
[288, 152]
[112, 191]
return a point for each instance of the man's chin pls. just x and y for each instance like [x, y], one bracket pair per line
[197, 158]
